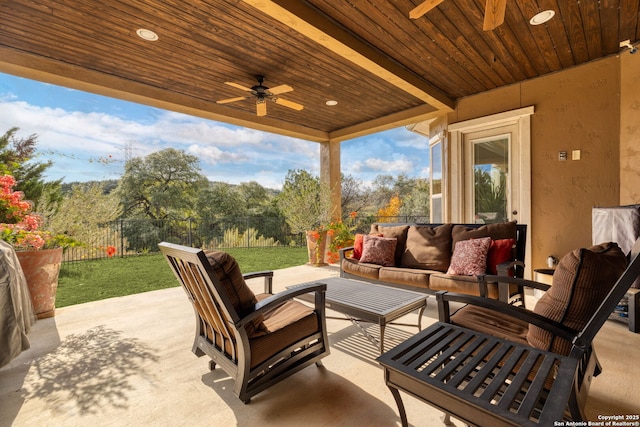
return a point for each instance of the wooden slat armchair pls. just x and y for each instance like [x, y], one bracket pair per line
[466, 364]
[257, 339]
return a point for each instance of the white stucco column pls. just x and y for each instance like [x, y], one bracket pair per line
[330, 175]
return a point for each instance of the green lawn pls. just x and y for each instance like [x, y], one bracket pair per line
[86, 281]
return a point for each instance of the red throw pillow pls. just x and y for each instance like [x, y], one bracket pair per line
[500, 251]
[357, 246]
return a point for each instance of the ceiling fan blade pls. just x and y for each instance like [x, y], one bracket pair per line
[261, 108]
[226, 101]
[494, 14]
[289, 104]
[423, 8]
[237, 86]
[280, 89]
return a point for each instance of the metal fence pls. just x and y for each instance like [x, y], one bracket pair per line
[127, 237]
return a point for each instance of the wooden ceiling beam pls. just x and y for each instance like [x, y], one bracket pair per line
[46, 70]
[392, 121]
[314, 25]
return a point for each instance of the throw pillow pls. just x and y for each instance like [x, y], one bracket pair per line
[428, 248]
[242, 298]
[379, 250]
[357, 246]
[470, 257]
[502, 230]
[581, 280]
[500, 251]
[398, 232]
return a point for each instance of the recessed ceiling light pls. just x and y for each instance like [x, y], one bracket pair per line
[542, 17]
[147, 34]
[331, 103]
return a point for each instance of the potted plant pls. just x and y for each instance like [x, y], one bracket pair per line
[39, 251]
[340, 235]
[304, 201]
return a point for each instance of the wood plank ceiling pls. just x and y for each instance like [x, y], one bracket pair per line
[384, 69]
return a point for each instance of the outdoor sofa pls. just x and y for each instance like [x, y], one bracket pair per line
[435, 257]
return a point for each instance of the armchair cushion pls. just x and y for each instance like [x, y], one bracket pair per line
[581, 281]
[240, 295]
[287, 323]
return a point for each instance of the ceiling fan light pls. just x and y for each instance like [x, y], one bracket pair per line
[542, 17]
[147, 35]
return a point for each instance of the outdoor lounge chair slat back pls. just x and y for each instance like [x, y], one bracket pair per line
[257, 343]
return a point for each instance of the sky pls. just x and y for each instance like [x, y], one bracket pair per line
[87, 137]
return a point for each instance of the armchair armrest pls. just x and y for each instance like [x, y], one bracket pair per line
[275, 300]
[503, 269]
[504, 282]
[268, 279]
[502, 307]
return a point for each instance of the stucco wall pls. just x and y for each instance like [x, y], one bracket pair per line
[629, 128]
[577, 109]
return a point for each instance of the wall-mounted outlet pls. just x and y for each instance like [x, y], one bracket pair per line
[562, 156]
[575, 155]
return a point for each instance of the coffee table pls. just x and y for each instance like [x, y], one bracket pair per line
[368, 302]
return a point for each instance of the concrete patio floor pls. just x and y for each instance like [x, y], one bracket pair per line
[127, 361]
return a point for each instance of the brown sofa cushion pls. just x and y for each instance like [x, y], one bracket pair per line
[398, 232]
[460, 284]
[406, 276]
[503, 230]
[242, 298]
[428, 247]
[582, 279]
[362, 269]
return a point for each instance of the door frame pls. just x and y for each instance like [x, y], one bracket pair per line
[521, 119]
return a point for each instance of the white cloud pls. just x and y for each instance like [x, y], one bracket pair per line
[398, 165]
[213, 155]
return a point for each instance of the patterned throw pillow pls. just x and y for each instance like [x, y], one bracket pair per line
[470, 257]
[379, 250]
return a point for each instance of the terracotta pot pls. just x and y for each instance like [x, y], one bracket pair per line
[317, 247]
[41, 269]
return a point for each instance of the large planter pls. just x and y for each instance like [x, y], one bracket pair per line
[317, 247]
[41, 269]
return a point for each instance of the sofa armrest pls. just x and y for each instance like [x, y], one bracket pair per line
[343, 252]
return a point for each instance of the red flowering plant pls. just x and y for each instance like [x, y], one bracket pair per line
[19, 226]
[341, 235]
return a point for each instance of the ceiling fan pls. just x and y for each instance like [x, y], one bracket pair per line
[262, 94]
[493, 12]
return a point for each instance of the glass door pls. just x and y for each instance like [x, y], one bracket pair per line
[490, 195]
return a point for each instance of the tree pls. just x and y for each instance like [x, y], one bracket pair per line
[164, 185]
[416, 203]
[355, 197]
[219, 200]
[304, 202]
[16, 159]
[255, 196]
[82, 213]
